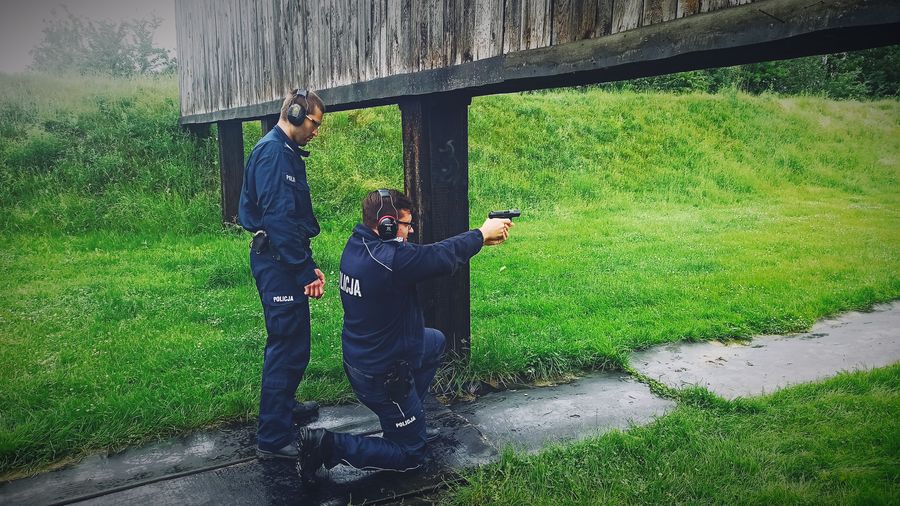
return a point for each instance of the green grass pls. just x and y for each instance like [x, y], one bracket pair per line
[836, 442]
[126, 312]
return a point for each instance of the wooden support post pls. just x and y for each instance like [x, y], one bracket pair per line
[268, 122]
[231, 167]
[436, 176]
[199, 131]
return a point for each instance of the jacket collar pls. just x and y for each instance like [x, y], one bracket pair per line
[279, 133]
[365, 232]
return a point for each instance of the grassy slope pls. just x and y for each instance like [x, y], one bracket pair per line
[649, 218]
[837, 442]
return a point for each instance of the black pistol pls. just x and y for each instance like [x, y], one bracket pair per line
[508, 214]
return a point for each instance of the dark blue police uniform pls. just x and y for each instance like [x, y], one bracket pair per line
[275, 198]
[383, 324]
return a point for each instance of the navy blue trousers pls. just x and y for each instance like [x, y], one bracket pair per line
[402, 445]
[286, 310]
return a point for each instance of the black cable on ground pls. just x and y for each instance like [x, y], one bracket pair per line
[109, 491]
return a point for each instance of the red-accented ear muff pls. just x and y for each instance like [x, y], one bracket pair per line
[387, 224]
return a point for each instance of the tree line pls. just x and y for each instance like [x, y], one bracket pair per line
[871, 73]
[74, 44]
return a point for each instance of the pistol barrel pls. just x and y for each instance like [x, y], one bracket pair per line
[508, 214]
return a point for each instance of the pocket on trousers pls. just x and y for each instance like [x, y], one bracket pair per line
[282, 316]
[368, 388]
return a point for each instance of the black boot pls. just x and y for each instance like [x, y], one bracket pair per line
[311, 452]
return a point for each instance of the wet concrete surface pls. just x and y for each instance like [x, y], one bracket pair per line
[529, 419]
[204, 449]
[218, 466]
[849, 342]
[267, 482]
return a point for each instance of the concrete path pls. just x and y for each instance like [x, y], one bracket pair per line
[529, 419]
[218, 466]
[767, 363]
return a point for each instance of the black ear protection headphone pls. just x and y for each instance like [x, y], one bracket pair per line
[387, 224]
[296, 113]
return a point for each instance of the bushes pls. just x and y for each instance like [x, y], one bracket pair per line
[872, 73]
[109, 150]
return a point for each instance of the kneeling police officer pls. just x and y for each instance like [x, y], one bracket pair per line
[390, 356]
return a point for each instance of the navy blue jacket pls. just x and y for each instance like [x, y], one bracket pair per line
[383, 321]
[275, 198]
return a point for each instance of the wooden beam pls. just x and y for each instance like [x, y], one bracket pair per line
[761, 31]
[231, 167]
[267, 123]
[436, 176]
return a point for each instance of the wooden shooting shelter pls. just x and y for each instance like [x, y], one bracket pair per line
[237, 59]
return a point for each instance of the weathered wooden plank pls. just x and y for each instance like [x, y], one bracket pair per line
[349, 71]
[659, 11]
[452, 22]
[181, 41]
[326, 60]
[580, 19]
[714, 5]
[626, 15]
[436, 55]
[350, 21]
[382, 42]
[687, 8]
[526, 24]
[421, 16]
[603, 23]
[203, 61]
[394, 63]
[435, 160]
[365, 38]
[231, 167]
[305, 51]
[487, 39]
[408, 36]
[563, 21]
[536, 23]
[512, 25]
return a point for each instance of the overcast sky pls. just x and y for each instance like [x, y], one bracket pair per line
[21, 23]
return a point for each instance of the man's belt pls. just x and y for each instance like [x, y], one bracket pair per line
[261, 244]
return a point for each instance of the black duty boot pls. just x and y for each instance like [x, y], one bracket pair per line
[287, 452]
[305, 412]
[311, 453]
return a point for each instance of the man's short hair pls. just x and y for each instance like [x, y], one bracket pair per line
[312, 103]
[372, 203]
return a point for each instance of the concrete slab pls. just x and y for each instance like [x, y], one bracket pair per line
[529, 419]
[849, 342]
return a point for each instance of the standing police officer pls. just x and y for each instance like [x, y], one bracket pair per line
[389, 355]
[276, 207]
